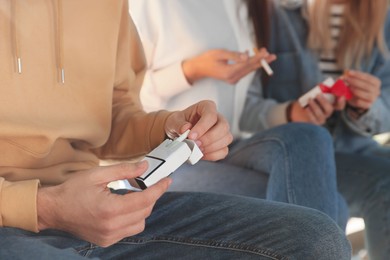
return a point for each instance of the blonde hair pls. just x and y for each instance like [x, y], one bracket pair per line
[363, 28]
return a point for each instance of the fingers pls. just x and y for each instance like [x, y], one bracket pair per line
[340, 103]
[360, 103]
[232, 55]
[238, 70]
[214, 144]
[203, 117]
[319, 110]
[366, 88]
[210, 130]
[325, 106]
[361, 80]
[121, 226]
[121, 171]
[122, 216]
[139, 200]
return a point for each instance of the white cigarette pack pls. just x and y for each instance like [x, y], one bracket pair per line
[162, 161]
[311, 94]
[166, 158]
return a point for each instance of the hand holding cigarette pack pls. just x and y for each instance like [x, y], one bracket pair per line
[330, 89]
[163, 160]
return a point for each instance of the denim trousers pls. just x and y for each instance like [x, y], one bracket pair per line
[200, 226]
[364, 181]
[293, 163]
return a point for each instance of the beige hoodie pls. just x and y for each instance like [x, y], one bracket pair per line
[70, 73]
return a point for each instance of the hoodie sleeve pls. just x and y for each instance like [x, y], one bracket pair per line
[133, 132]
[18, 204]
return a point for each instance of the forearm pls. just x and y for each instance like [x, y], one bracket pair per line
[260, 113]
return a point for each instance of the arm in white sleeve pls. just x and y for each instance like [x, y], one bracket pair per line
[260, 113]
[164, 78]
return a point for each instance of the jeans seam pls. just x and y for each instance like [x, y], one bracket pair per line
[224, 245]
[86, 250]
[290, 192]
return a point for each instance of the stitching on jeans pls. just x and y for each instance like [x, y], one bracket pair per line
[211, 244]
[290, 192]
[86, 250]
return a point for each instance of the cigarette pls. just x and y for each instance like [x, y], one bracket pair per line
[266, 67]
[183, 136]
[179, 139]
[264, 64]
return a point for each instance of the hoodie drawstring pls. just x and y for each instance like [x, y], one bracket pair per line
[59, 53]
[59, 41]
[15, 42]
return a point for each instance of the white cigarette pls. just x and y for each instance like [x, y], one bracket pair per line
[183, 136]
[266, 67]
[179, 139]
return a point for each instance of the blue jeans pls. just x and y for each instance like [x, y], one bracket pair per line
[292, 163]
[200, 226]
[364, 181]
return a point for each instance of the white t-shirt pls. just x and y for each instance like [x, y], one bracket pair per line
[174, 30]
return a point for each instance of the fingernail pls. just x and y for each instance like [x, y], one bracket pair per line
[193, 136]
[198, 143]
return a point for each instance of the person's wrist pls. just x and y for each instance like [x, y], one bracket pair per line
[289, 109]
[46, 208]
[355, 112]
[189, 71]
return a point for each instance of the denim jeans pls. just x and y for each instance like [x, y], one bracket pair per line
[200, 226]
[292, 163]
[364, 181]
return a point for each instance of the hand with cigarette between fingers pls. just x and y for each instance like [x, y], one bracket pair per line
[225, 65]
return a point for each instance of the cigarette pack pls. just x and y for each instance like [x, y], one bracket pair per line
[330, 89]
[162, 161]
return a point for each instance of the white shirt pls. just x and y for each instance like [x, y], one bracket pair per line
[174, 30]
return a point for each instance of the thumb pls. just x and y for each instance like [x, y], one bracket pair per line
[177, 124]
[120, 171]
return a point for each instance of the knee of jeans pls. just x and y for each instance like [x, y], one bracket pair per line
[309, 134]
[324, 239]
[303, 134]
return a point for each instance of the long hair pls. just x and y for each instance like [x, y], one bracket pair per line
[259, 14]
[363, 28]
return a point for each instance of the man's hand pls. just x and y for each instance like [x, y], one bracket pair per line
[85, 207]
[209, 129]
[228, 66]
